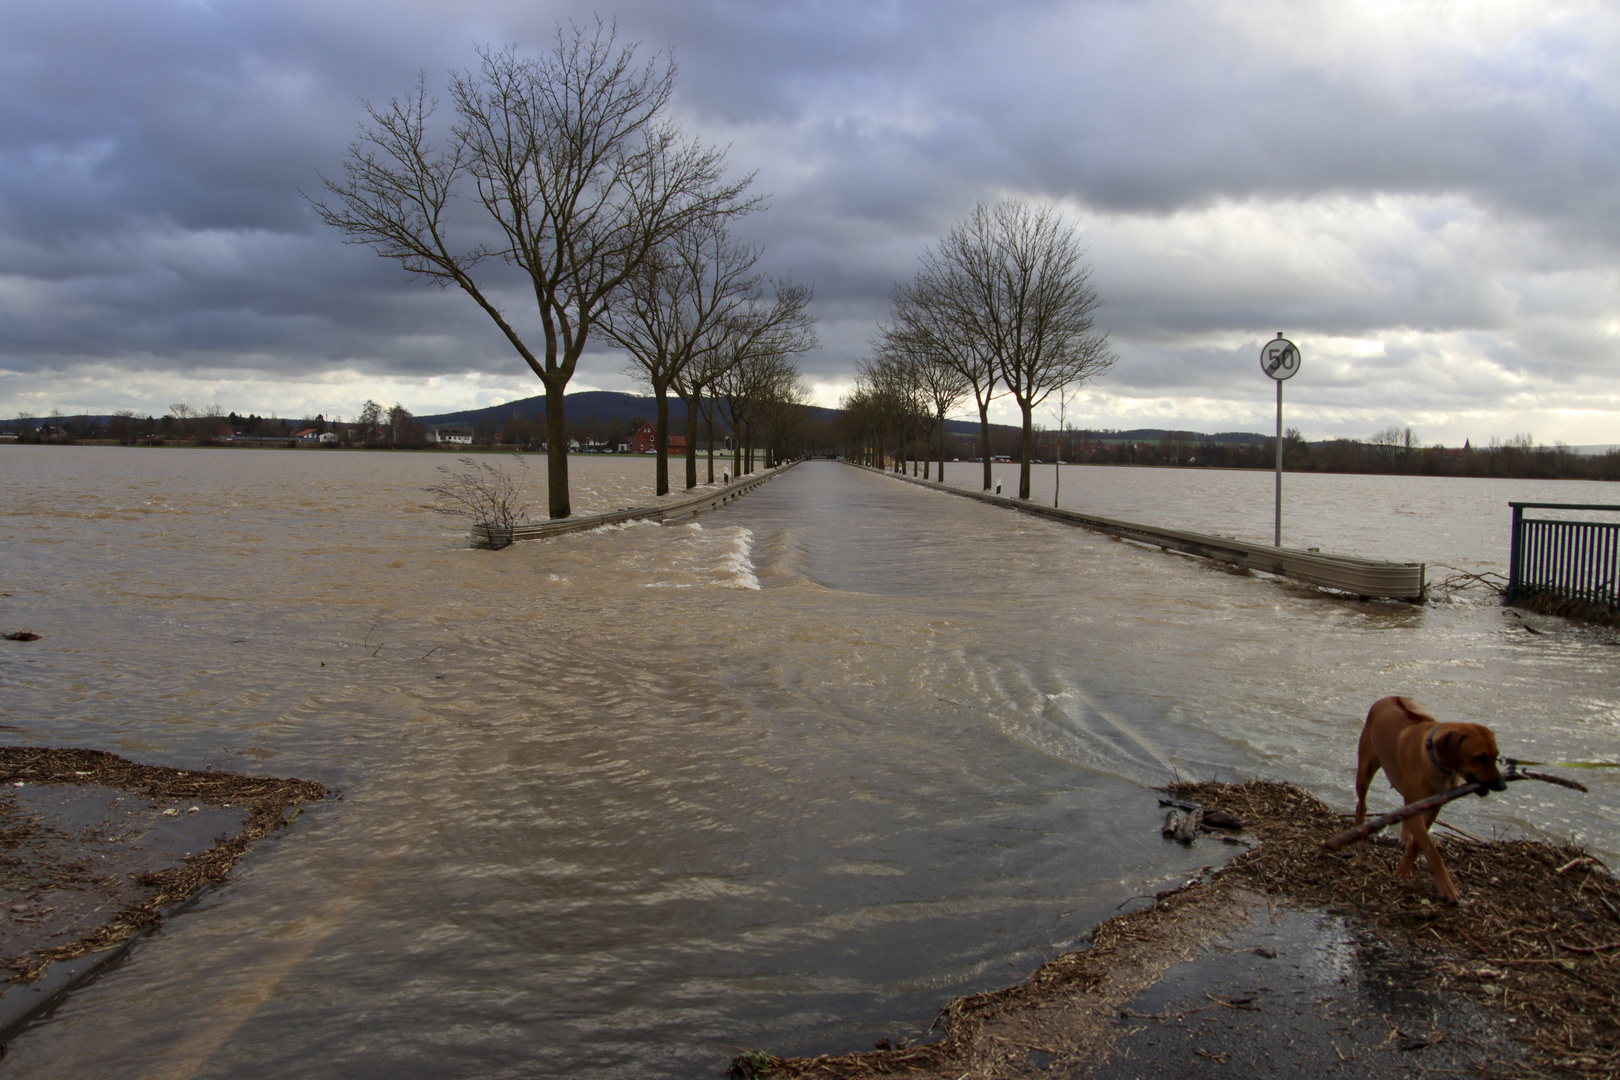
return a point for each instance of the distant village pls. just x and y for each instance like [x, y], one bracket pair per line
[395, 428]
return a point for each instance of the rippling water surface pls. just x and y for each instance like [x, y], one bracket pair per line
[790, 775]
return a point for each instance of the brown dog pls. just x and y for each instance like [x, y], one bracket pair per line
[1422, 757]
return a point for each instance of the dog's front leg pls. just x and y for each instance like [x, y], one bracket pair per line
[1437, 865]
[1410, 854]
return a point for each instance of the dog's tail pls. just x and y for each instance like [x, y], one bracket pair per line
[1415, 713]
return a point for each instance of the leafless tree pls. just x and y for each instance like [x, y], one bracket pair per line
[924, 314]
[695, 386]
[570, 160]
[885, 406]
[1018, 288]
[401, 426]
[935, 376]
[758, 384]
[673, 312]
[368, 425]
[780, 411]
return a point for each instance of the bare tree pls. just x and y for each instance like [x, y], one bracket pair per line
[781, 409]
[924, 313]
[568, 157]
[695, 387]
[772, 321]
[1018, 288]
[759, 371]
[401, 426]
[885, 406]
[935, 377]
[672, 311]
[369, 423]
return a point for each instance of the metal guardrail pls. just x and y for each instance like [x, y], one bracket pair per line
[1366, 578]
[1562, 559]
[481, 536]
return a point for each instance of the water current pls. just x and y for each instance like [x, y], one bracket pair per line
[789, 775]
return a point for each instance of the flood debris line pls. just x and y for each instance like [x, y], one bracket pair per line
[94, 849]
[1534, 947]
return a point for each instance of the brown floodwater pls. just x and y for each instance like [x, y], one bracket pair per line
[789, 775]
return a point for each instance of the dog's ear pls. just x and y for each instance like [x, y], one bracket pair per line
[1448, 746]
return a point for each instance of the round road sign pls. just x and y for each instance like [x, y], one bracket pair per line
[1279, 358]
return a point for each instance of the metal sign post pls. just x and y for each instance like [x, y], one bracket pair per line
[1280, 360]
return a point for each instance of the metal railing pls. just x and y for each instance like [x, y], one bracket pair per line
[1563, 559]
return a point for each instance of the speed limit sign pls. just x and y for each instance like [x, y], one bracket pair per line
[1279, 358]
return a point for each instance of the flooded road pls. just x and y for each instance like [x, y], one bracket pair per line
[616, 804]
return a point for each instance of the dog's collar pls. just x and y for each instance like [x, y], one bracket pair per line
[1428, 744]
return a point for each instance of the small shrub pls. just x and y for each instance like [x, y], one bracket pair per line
[484, 492]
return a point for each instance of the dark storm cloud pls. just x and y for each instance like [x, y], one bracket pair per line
[1352, 172]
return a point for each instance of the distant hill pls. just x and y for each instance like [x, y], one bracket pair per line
[606, 406]
[613, 407]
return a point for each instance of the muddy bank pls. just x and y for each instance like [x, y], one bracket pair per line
[1292, 959]
[95, 850]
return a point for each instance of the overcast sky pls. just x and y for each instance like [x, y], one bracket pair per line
[1424, 196]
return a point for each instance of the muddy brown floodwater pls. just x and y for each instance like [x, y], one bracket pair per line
[621, 803]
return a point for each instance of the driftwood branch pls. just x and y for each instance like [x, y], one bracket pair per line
[1367, 828]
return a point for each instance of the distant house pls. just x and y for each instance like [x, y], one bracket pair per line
[454, 433]
[644, 440]
[308, 434]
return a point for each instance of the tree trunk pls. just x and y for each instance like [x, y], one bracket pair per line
[556, 453]
[984, 442]
[661, 440]
[1028, 453]
[708, 426]
[691, 447]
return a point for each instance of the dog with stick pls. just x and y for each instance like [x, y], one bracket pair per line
[1423, 757]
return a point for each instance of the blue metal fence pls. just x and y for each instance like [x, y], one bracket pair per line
[1569, 560]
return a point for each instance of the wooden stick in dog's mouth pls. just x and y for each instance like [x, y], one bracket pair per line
[1367, 828]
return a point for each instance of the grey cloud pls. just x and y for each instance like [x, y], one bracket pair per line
[151, 158]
